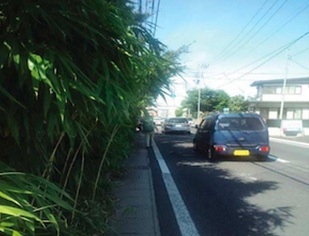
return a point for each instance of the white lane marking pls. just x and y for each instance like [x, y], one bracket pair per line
[162, 164]
[278, 159]
[294, 143]
[185, 223]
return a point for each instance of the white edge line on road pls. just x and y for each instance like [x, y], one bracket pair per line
[185, 223]
[278, 159]
[295, 143]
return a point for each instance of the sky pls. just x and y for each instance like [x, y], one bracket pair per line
[232, 43]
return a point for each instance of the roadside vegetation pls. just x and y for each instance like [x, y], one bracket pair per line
[74, 77]
[212, 100]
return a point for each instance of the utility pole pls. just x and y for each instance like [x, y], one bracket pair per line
[284, 88]
[140, 7]
[199, 75]
[198, 101]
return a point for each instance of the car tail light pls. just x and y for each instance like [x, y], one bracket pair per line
[264, 148]
[220, 148]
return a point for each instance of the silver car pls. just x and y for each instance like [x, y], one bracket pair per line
[176, 124]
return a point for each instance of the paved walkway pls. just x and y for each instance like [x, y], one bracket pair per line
[136, 213]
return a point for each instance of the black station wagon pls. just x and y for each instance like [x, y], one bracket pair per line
[237, 135]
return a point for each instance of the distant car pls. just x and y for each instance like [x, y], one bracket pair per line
[292, 127]
[237, 135]
[158, 120]
[191, 122]
[176, 124]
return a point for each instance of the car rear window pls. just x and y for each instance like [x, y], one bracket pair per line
[240, 123]
[177, 120]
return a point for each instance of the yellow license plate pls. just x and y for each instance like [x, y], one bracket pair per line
[241, 153]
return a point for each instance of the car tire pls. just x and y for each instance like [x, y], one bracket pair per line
[262, 158]
[211, 154]
[195, 147]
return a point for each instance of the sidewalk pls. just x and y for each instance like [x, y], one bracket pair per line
[136, 211]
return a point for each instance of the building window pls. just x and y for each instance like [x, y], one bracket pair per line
[291, 89]
[271, 90]
[273, 113]
[305, 114]
[290, 114]
[295, 114]
[298, 90]
[278, 90]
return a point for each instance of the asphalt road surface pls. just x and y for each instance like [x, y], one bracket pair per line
[240, 196]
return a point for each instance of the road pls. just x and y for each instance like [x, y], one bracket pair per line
[230, 197]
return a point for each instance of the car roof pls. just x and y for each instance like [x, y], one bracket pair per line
[177, 118]
[239, 115]
[235, 115]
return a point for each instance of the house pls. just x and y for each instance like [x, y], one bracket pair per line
[281, 100]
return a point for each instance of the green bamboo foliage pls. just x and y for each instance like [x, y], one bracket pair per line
[74, 76]
[28, 204]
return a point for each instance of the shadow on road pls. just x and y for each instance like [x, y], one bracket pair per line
[219, 201]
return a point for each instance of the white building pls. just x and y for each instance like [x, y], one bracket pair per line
[282, 99]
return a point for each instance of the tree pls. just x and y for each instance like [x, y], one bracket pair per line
[179, 112]
[210, 101]
[238, 104]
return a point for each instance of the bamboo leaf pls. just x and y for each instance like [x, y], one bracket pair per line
[12, 232]
[14, 211]
[4, 54]
[13, 126]
[9, 198]
[12, 98]
[47, 100]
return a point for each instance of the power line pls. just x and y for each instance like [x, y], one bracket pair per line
[140, 7]
[304, 67]
[262, 26]
[281, 26]
[226, 48]
[232, 51]
[228, 54]
[275, 53]
[302, 51]
[152, 10]
[157, 15]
